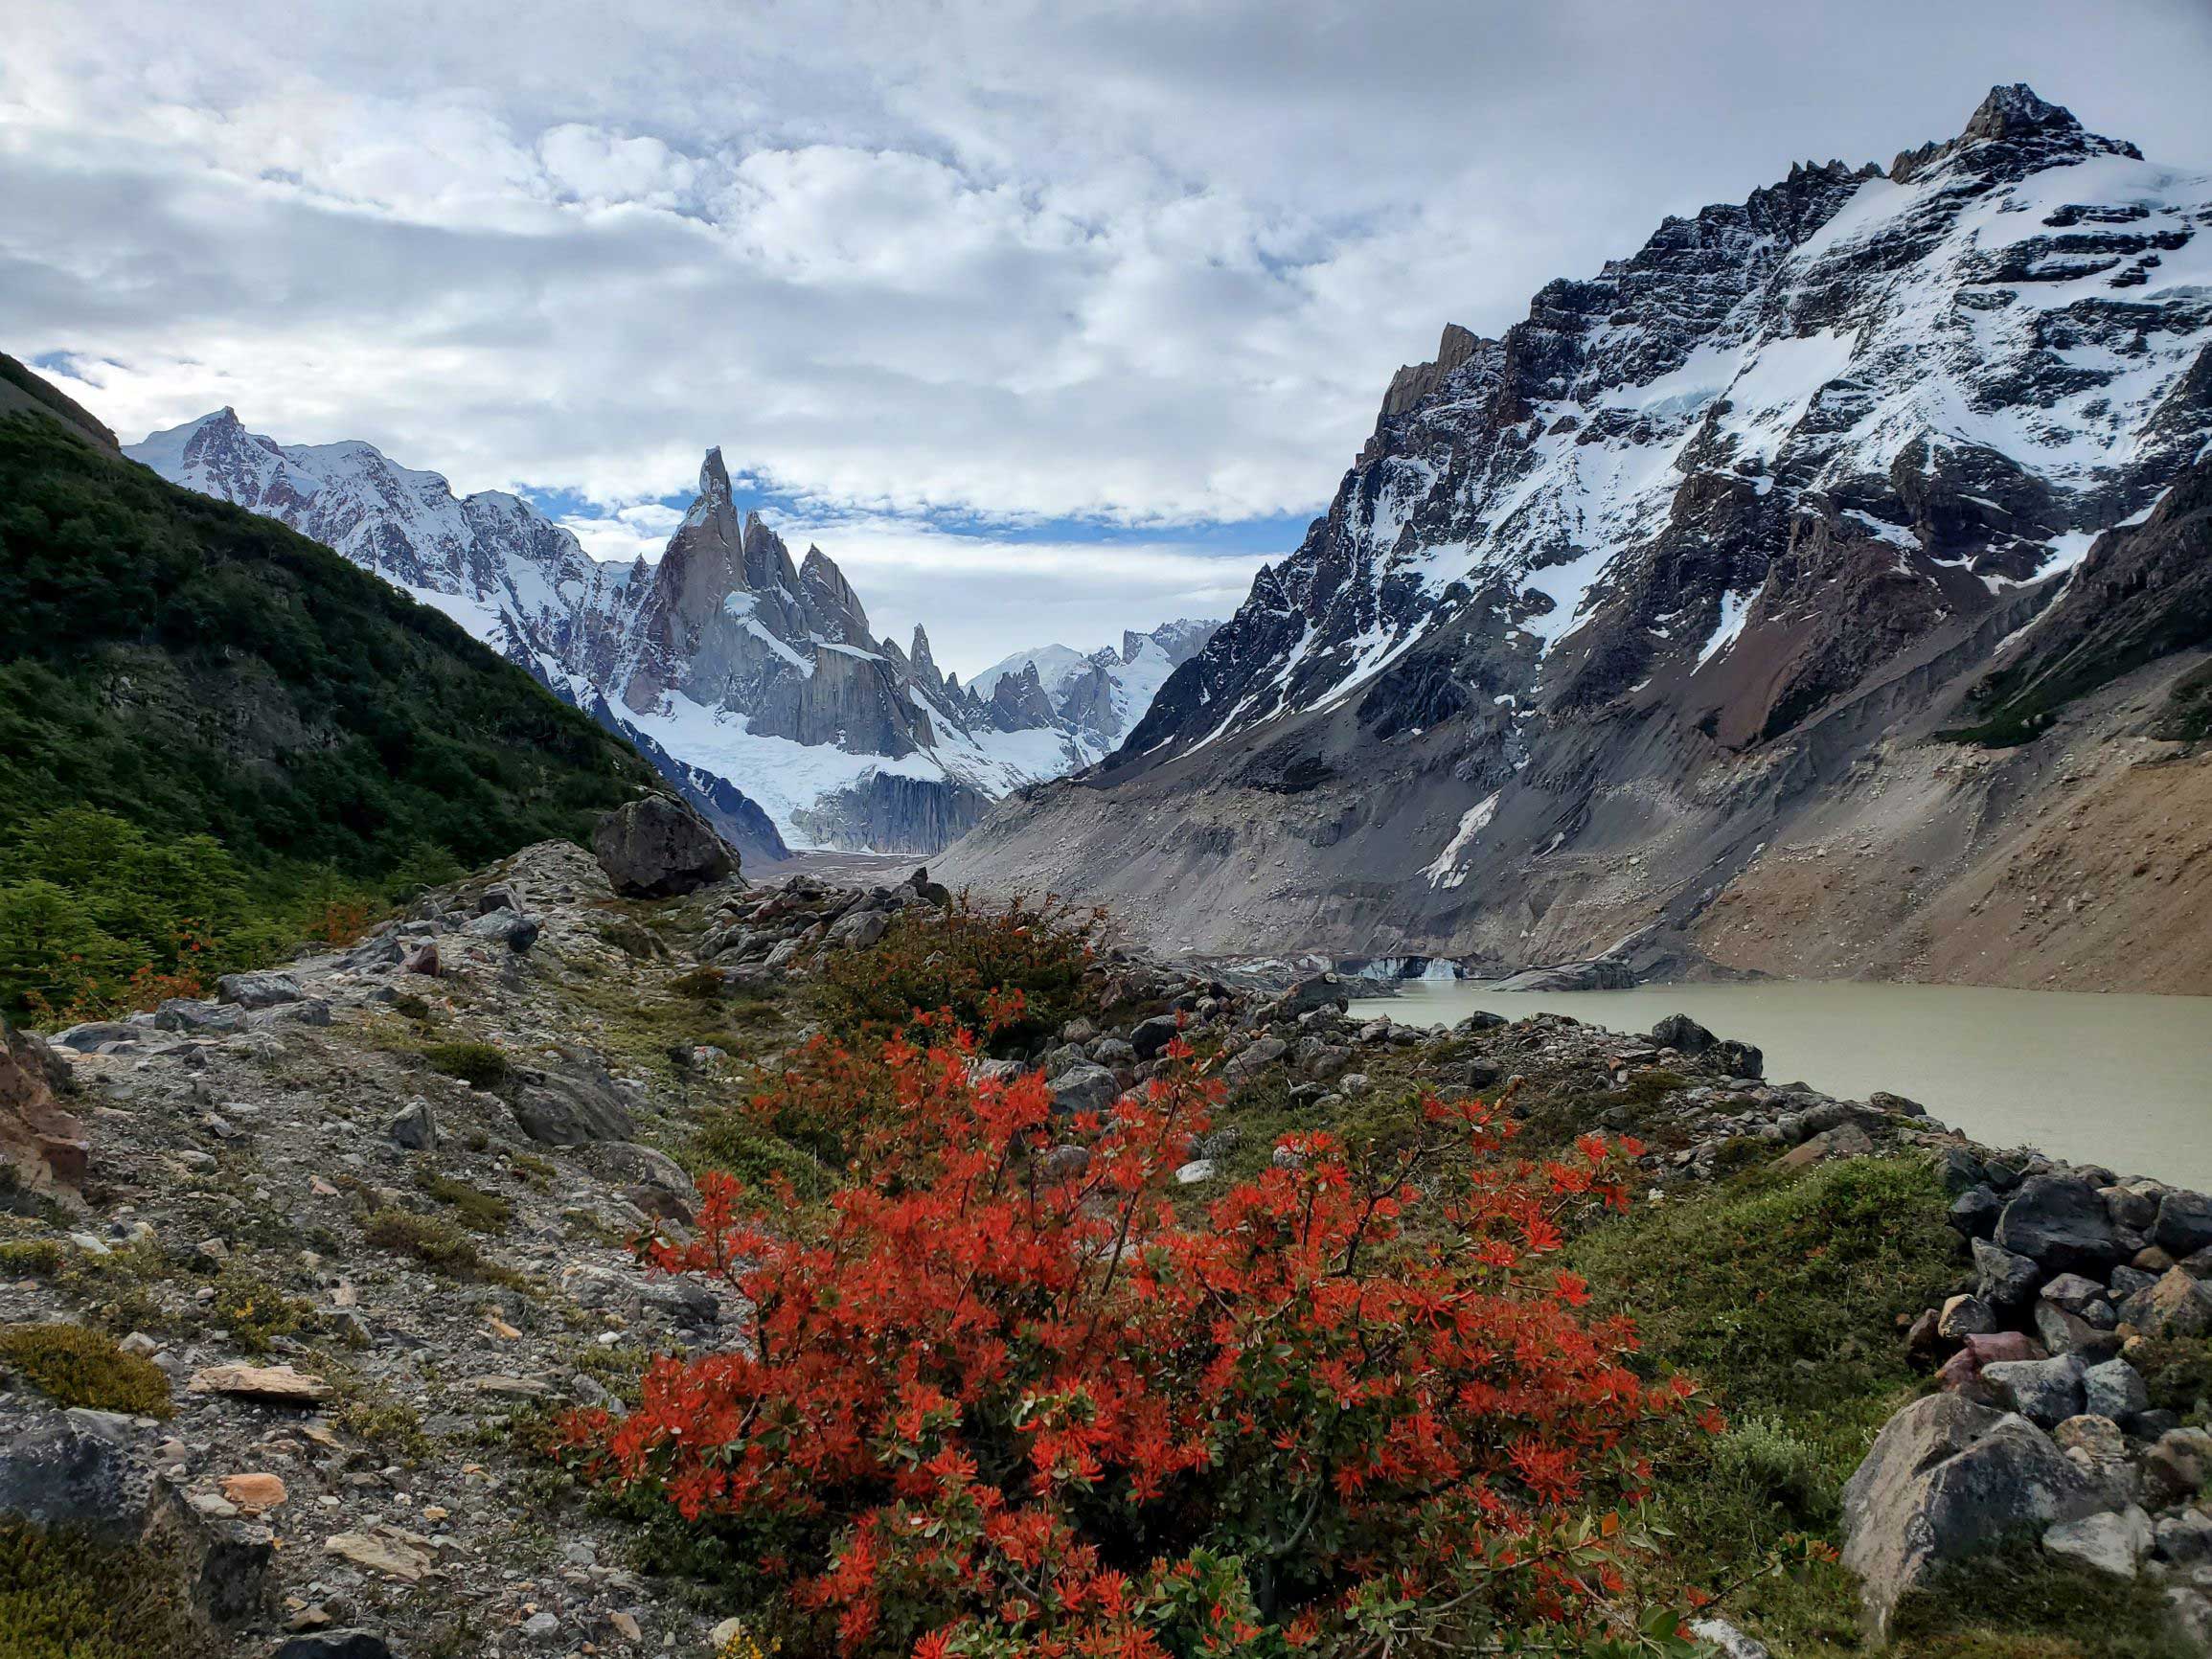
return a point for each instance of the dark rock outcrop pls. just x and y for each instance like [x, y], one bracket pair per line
[658, 847]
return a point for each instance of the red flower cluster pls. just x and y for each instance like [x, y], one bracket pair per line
[999, 1400]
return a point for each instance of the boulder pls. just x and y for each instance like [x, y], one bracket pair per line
[1682, 1034]
[2177, 1467]
[2095, 1445]
[1965, 1316]
[561, 1114]
[2064, 1332]
[1321, 990]
[57, 1473]
[2184, 1224]
[2059, 1222]
[1845, 1141]
[2178, 1305]
[1739, 1060]
[2116, 1390]
[2043, 1391]
[859, 930]
[1258, 1056]
[1945, 1478]
[415, 1128]
[2002, 1278]
[658, 847]
[43, 1144]
[1084, 1088]
[252, 990]
[269, 1384]
[504, 927]
[187, 1014]
[1974, 1212]
[2112, 1543]
[1149, 1037]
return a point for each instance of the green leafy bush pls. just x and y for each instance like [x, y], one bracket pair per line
[480, 1064]
[80, 1367]
[1013, 973]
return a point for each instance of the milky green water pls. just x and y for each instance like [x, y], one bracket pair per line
[2120, 1080]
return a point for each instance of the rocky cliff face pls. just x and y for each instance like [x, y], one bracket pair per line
[1607, 604]
[754, 683]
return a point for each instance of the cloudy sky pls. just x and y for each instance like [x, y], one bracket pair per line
[1042, 319]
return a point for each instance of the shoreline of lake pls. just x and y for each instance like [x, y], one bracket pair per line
[2119, 1079]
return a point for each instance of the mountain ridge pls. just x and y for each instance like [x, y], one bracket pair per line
[752, 681]
[1595, 594]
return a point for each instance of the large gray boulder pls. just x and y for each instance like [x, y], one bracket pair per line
[264, 990]
[2184, 1223]
[1084, 1088]
[2043, 1391]
[2060, 1222]
[659, 847]
[1944, 1479]
[571, 1110]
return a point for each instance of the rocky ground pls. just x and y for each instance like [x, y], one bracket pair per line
[367, 1218]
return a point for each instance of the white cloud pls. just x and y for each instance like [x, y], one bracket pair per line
[1022, 258]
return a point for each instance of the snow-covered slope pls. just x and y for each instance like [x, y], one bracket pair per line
[1106, 693]
[1605, 592]
[753, 683]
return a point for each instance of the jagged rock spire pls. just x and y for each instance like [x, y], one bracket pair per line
[2012, 133]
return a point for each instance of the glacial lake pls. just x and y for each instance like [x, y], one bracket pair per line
[2125, 1081]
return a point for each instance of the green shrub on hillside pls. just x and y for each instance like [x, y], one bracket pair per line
[479, 1064]
[277, 727]
[80, 1367]
[974, 963]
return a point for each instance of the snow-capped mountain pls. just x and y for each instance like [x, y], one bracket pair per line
[1103, 692]
[1599, 589]
[754, 683]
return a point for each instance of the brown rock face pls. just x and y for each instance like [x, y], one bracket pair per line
[45, 1145]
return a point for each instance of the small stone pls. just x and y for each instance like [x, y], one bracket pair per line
[415, 1128]
[392, 1557]
[1198, 1169]
[2111, 1543]
[1965, 1316]
[276, 1384]
[542, 1627]
[254, 1493]
[625, 1627]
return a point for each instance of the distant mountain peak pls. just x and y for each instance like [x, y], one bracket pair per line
[756, 685]
[2010, 132]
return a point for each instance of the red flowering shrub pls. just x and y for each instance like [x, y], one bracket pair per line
[1000, 1403]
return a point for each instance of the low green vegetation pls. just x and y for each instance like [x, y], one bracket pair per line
[63, 1596]
[478, 1211]
[480, 1064]
[438, 1243]
[2019, 1603]
[214, 731]
[80, 1367]
[1783, 1295]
